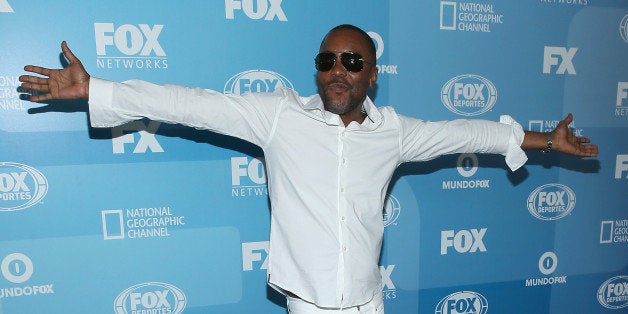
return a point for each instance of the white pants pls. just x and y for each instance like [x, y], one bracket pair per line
[298, 306]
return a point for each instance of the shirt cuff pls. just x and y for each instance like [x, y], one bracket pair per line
[100, 100]
[515, 156]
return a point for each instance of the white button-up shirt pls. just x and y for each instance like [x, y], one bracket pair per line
[327, 182]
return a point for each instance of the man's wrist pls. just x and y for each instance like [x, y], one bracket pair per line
[86, 88]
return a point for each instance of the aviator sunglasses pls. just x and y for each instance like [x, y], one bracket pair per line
[351, 61]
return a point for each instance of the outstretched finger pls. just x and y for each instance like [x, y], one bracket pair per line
[584, 140]
[568, 119]
[590, 150]
[40, 97]
[33, 79]
[37, 69]
[68, 53]
[594, 150]
[40, 87]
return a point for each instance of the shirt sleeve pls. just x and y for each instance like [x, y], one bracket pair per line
[423, 140]
[249, 117]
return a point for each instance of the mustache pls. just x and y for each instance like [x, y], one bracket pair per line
[338, 81]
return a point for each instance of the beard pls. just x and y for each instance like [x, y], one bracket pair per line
[340, 97]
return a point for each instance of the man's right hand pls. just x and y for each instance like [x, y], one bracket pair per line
[72, 82]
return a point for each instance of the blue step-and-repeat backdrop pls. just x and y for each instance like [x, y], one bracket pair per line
[157, 218]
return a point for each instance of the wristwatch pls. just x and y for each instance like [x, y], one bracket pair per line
[548, 148]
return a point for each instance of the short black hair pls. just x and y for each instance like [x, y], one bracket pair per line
[365, 35]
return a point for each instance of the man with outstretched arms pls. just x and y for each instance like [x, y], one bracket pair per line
[329, 158]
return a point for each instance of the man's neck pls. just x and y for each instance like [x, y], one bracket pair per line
[358, 117]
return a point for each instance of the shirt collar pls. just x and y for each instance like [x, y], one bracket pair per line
[315, 105]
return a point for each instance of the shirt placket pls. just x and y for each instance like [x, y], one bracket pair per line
[342, 213]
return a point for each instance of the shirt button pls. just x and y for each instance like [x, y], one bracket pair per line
[343, 218]
[342, 190]
[344, 248]
[344, 161]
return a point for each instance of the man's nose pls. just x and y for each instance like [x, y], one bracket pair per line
[338, 68]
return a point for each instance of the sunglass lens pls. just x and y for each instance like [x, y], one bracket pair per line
[352, 61]
[324, 61]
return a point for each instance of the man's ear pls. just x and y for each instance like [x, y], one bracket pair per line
[373, 77]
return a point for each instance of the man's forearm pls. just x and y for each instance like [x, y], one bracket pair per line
[535, 140]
